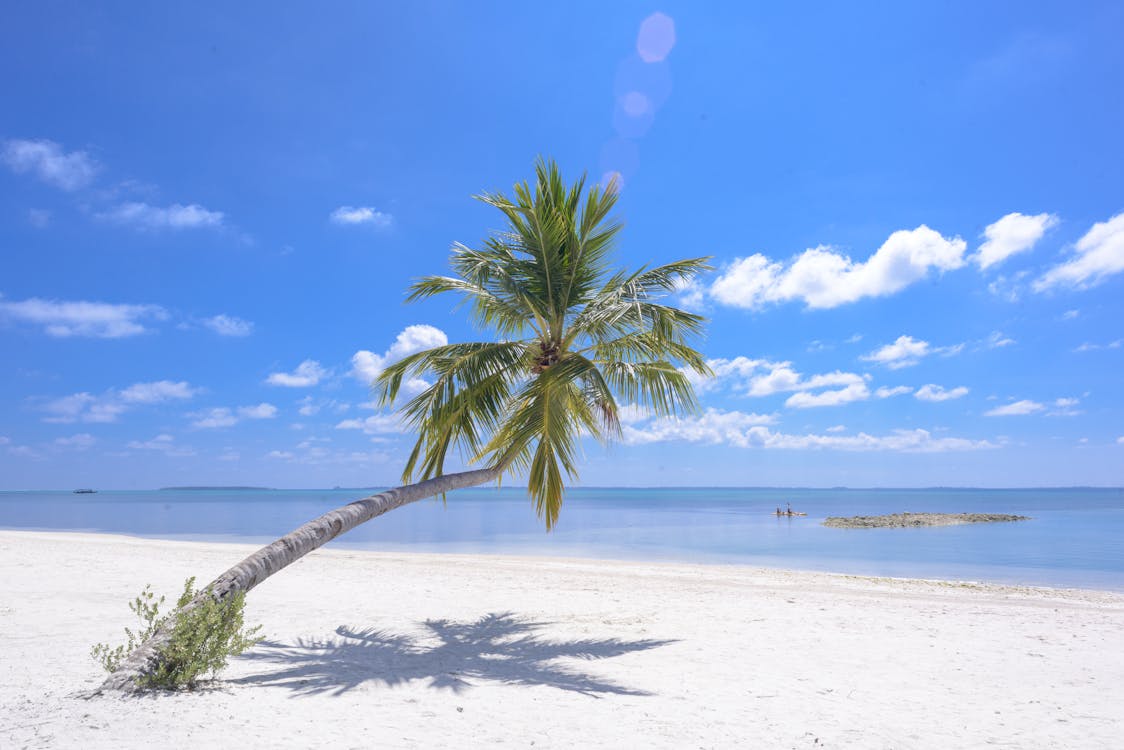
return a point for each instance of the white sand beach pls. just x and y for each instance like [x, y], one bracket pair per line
[382, 650]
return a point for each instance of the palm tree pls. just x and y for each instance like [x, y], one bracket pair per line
[573, 338]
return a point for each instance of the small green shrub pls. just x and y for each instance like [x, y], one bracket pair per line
[202, 638]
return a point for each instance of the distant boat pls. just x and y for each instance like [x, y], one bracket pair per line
[85, 491]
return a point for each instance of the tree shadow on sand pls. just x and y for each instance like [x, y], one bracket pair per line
[497, 648]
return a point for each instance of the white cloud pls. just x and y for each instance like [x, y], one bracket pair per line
[824, 278]
[726, 369]
[907, 351]
[82, 407]
[228, 325]
[366, 365]
[1064, 407]
[92, 319]
[837, 428]
[163, 443]
[350, 215]
[157, 392]
[805, 400]
[931, 392]
[1120, 440]
[1099, 254]
[997, 340]
[47, 161]
[749, 431]
[376, 424]
[176, 216]
[887, 392]
[1070, 314]
[782, 378]
[280, 454]
[308, 373]
[1091, 347]
[1014, 233]
[1018, 408]
[261, 411]
[713, 426]
[225, 417]
[82, 441]
[86, 407]
[761, 377]
[214, 418]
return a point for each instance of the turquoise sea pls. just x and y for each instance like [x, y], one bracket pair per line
[1075, 537]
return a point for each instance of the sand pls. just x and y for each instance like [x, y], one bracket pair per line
[912, 520]
[419, 650]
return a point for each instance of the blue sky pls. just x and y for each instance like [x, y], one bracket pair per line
[209, 215]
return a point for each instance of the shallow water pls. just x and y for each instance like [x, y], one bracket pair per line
[1075, 537]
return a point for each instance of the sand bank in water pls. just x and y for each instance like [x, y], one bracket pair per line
[401, 651]
[909, 520]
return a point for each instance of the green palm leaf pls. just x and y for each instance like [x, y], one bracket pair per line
[574, 339]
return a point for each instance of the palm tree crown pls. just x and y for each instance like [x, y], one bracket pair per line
[573, 337]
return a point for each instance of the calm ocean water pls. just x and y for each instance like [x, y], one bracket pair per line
[1076, 537]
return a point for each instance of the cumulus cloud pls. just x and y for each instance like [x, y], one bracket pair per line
[176, 216]
[1014, 233]
[713, 426]
[157, 392]
[1018, 408]
[821, 277]
[762, 377]
[353, 215]
[376, 424]
[47, 161]
[907, 351]
[308, 373]
[222, 416]
[366, 365]
[228, 325]
[260, 411]
[107, 407]
[1097, 255]
[887, 392]
[805, 400]
[750, 431]
[91, 319]
[214, 418]
[931, 392]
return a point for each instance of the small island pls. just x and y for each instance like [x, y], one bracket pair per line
[911, 520]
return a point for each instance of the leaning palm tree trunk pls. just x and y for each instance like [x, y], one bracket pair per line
[288, 549]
